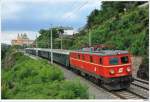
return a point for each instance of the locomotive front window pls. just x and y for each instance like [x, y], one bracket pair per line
[124, 60]
[113, 61]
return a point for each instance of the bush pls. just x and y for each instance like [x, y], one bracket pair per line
[73, 89]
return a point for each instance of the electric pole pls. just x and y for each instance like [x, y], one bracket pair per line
[36, 46]
[61, 39]
[36, 41]
[89, 37]
[51, 46]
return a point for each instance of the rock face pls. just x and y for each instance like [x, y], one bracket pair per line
[143, 71]
[136, 61]
[140, 67]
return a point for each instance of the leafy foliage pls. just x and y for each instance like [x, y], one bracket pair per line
[109, 10]
[36, 79]
[43, 41]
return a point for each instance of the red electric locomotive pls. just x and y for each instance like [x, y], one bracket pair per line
[110, 67]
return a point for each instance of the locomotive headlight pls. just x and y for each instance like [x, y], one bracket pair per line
[112, 71]
[128, 69]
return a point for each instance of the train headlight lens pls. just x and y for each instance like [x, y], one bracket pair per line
[112, 71]
[128, 69]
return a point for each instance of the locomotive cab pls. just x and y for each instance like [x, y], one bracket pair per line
[118, 71]
[118, 66]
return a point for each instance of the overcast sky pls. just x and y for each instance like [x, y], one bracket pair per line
[29, 16]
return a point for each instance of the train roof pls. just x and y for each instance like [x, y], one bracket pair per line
[66, 52]
[104, 52]
[101, 52]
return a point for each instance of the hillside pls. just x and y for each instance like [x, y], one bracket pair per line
[127, 31]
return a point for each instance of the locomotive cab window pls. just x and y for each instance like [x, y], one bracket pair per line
[124, 59]
[114, 61]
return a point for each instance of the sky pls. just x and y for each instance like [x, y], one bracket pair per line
[29, 16]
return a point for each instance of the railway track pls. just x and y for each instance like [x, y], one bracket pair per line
[122, 94]
[141, 84]
[128, 94]
[142, 81]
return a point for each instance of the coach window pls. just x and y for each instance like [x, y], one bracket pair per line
[91, 60]
[100, 61]
[124, 59]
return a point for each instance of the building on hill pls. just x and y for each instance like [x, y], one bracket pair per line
[22, 40]
[68, 33]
